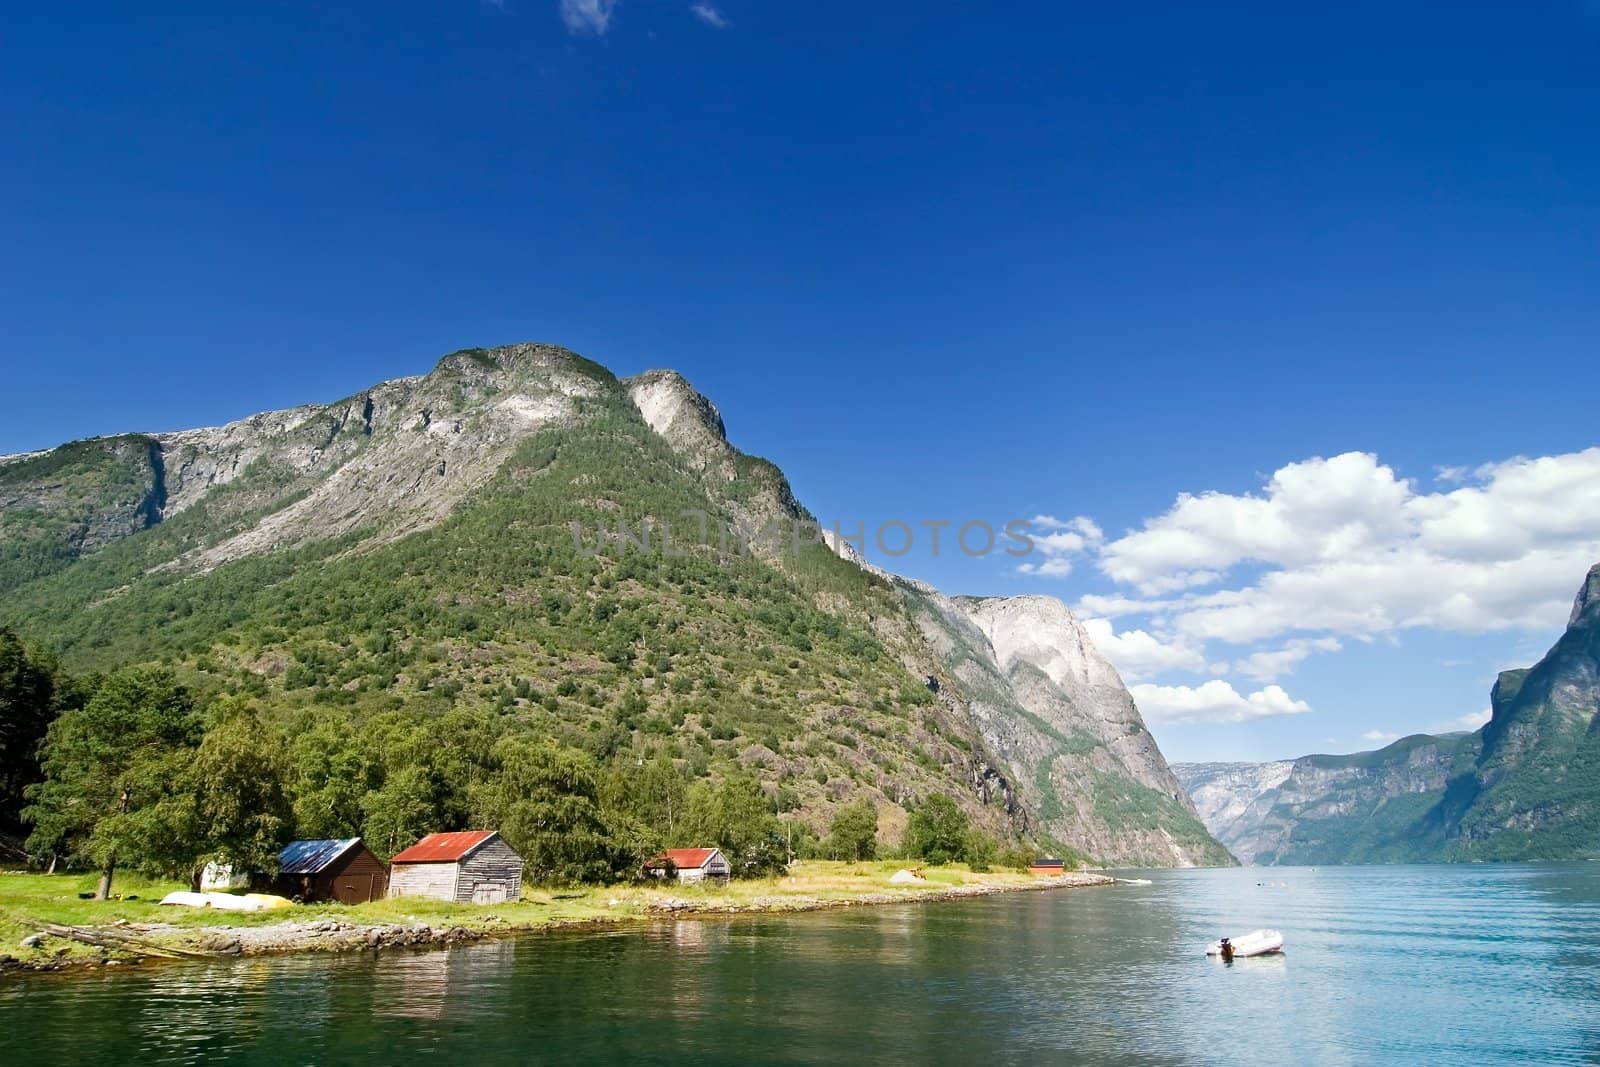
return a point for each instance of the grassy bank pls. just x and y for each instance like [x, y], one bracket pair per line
[29, 901]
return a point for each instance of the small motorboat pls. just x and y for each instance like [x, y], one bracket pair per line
[1255, 943]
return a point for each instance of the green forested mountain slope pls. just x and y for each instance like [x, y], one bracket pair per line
[1535, 792]
[60, 506]
[393, 583]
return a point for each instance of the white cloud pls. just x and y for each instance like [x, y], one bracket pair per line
[1271, 664]
[1059, 567]
[1345, 546]
[1315, 510]
[1080, 523]
[710, 16]
[1404, 588]
[1475, 720]
[587, 16]
[1112, 607]
[1327, 553]
[1215, 701]
[1178, 582]
[1138, 654]
[1060, 543]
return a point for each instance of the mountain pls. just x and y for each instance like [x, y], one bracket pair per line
[1361, 808]
[1525, 786]
[1056, 711]
[520, 534]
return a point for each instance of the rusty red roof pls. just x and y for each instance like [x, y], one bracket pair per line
[685, 859]
[443, 848]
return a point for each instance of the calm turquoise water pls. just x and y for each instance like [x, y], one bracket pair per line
[1402, 965]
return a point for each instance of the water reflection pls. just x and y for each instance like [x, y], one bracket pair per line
[1383, 965]
[427, 984]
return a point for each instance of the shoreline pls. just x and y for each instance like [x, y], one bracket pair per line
[163, 942]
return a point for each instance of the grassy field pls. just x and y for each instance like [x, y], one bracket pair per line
[28, 900]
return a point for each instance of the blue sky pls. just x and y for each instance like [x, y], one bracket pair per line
[938, 261]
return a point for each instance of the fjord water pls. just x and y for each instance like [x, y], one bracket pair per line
[1402, 965]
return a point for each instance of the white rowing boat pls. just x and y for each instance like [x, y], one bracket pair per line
[228, 901]
[1255, 943]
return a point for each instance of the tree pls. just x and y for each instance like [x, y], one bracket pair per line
[114, 770]
[937, 831]
[737, 818]
[240, 809]
[981, 850]
[416, 795]
[27, 705]
[401, 811]
[853, 834]
[546, 801]
[331, 774]
[650, 791]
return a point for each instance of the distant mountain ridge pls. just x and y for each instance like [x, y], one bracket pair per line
[1525, 786]
[410, 549]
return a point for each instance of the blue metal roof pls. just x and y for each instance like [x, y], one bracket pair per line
[309, 857]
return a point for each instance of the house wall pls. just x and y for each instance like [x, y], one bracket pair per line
[493, 870]
[358, 876]
[436, 880]
[716, 869]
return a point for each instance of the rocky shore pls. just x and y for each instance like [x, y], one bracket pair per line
[142, 943]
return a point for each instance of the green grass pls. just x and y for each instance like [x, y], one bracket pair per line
[27, 900]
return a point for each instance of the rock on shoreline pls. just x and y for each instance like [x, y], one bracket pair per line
[334, 935]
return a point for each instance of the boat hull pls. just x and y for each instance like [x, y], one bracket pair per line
[1255, 943]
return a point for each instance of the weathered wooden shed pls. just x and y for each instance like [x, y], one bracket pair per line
[690, 865]
[1048, 867]
[468, 867]
[341, 869]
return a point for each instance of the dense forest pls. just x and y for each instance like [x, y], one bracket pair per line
[132, 769]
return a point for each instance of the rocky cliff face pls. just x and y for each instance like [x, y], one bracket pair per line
[1060, 720]
[394, 459]
[687, 420]
[397, 458]
[1361, 808]
[1526, 786]
[60, 506]
[1234, 800]
[451, 485]
[1535, 790]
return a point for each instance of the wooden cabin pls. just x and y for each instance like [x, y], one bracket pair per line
[1048, 867]
[691, 865]
[341, 869]
[468, 867]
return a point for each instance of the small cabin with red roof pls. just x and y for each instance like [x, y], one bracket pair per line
[690, 865]
[467, 867]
